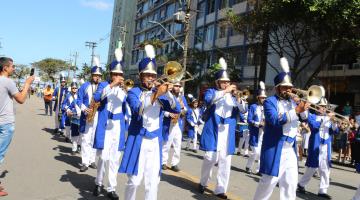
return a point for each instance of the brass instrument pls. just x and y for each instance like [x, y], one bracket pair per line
[183, 112]
[313, 95]
[174, 72]
[242, 94]
[93, 108]
[128, 84]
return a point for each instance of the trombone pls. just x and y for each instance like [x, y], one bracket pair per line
[314, 95]
[174, 72]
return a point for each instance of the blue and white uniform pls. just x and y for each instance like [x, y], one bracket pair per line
[59, 96]
[172, 134]
[70, 106]
[255, 121]
[243, 130]
[193, 118]
[110, 132]
[319, 151]
[87, 128]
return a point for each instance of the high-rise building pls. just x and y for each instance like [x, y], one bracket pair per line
[155, 20]
[217, 38]
[122, 30]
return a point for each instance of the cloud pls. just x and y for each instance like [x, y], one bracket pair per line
[97, 4]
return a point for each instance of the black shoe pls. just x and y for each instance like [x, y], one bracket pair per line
[93, 166]
[97, 190]
[301, 189]
[194, 150]
[56, 130]
[67, 140]
[164, 167]
[201, 189]
[175, 168]
[112, 195]
[248, 170]
[83, 168]
[258, 174]
[73, 153]
[222, 196]
[324, 195]
[78, 148]
[238, 153]
[186, 148]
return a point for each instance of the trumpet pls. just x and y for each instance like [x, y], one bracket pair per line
[128, 84]
[314, 95]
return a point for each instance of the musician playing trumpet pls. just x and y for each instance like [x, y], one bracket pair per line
[278, 160]
[89, 116]
[142, 155]
[218, 135]
[172, 130]
[322, 128]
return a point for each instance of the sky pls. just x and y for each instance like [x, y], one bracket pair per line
[32, 30]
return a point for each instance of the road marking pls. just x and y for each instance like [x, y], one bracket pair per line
[195, 181]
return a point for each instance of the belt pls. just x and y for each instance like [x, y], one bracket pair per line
[117, 116]
[225, 120]
[289, 139]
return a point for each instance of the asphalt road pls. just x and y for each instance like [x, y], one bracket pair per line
[38, 165]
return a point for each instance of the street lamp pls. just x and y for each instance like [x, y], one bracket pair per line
[158, 23]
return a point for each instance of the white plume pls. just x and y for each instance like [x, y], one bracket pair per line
[223, 63]
[284, 64]
[150, 51]
[74, 80]
[118, 54]
[190, 96]
[262, 85]
[96, 61]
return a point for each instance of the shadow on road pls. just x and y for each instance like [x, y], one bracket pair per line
[194, 155]
[343, 185]
[83, 182]
[187, 185]
[63, 149]
[71, 160]
[308, 196]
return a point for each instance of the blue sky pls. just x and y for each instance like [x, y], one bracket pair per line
[32, 30]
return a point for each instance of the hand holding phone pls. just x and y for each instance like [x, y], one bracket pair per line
[32, 71]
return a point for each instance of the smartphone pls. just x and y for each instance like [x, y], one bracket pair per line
[32, 71]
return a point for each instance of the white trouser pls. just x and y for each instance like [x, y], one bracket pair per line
[109, 157]
[324, 171]
[222, 158]
[175, 140]
[288, 177]
[255, 155]
[223, 174]
[357, 194]
[75, 140]
[148, 168]
[68, 132]
[57, 123]
[244, 139]
[194, 140]
[88, 153]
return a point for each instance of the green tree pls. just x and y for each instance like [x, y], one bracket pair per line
[21, 71]
[302, 30]
[49, 67]
[85, 72]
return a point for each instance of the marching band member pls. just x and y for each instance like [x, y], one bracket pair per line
[73, 116]
[89, 117]
[110, 131]
[59, 95]
[218, 135]
[172, 130]
[142, 155]
[256, 122]
[357, 194]
[193, 118]
[278, 157]
[319, 151]
[243, 130]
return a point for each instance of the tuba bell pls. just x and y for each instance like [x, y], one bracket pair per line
[174, 72]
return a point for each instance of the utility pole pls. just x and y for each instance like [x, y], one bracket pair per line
[91, 45]
[76, 55]
[69, 67]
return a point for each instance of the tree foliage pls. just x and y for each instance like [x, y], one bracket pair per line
[21, 71]
[85, 72]
[302, 30]
[49, 67]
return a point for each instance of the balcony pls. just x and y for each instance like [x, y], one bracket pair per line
[340, 70]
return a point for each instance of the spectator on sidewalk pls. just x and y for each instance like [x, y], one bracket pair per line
[48, 92]
[8, 92]
[347, 110]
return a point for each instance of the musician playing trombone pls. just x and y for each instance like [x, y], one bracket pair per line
[87, 127]
[142, 155]
[110, 130]
[319, 152]
[278, 160]
[218, 135]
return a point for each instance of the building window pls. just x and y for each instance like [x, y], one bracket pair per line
[221, 30]
[209, 35]
[238, 1]
[178, 28]
[211, 6]
[170, 10]
[224, 4]
[201, 8]
[199, 35]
